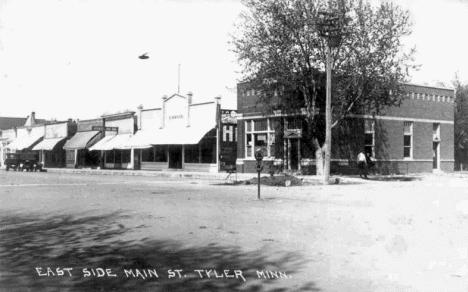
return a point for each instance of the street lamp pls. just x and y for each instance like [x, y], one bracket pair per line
[328, 25]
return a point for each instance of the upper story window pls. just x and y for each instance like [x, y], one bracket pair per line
[408, 140]
[436, 132]
[369, 137]
[294, 123]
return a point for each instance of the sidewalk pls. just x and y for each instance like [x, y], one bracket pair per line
[177, 174]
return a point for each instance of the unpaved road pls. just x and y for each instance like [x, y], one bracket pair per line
[357, 236]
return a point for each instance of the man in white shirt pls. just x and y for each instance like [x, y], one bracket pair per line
[362, 164]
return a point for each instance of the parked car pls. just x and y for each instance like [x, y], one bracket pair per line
[23, 161]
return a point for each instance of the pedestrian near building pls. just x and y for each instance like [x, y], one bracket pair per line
[370, 163]
[362, 165]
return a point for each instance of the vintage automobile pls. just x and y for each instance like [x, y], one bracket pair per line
[23, 161]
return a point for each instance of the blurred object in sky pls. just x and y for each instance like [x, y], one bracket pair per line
[144, 56]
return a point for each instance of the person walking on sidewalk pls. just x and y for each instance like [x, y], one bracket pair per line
[362, 165]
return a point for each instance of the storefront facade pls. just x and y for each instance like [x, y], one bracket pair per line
[77, 154]
[51, 152]
[7, 137]
[416, 137]
[118, 129]
[15, 128]
[26, 138]
[180, 135]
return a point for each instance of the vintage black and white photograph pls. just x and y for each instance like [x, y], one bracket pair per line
[234, 145]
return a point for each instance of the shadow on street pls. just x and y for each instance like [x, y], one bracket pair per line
[394, 178]
[92, 242]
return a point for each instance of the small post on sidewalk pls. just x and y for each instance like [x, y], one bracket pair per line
[258, 183]
[259, 168]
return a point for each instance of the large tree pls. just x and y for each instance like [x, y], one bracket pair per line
[461, 123]
[278, 45]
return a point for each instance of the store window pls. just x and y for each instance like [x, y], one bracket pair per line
[192, 153]
[408, 140]
[160, 153]
[126, 157]
[147, 155]
[259, 136]
[208, 150]
[110, 156]
[70, 156]
[369, 137]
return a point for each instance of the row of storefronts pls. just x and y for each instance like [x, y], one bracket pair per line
[417, 136]
[179, 135]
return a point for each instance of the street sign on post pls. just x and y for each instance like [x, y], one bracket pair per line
[259, 167]
[259, 155]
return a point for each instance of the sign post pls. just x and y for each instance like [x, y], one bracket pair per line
[259, 168]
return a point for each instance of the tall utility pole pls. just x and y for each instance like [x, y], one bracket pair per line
[328, 26]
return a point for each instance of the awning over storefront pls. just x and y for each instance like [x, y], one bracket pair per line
[25, 141]
[47, 144]
[101, 144]
[118, 142]
[184, 136]
[112, 142]
[180, 136]
[141, 140]
[80, 140]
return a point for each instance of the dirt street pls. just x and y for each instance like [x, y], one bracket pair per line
[119, 233]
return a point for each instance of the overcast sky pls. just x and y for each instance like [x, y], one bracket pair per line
[79, 59]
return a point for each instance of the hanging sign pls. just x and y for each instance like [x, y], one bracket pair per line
[293, 133]
[101, 128]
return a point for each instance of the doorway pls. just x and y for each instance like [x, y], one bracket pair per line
[294, 154]
[175, 156]
[136, 159]
[435, 155]
[118, 159]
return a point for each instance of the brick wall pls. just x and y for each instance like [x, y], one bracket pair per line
[447, 142]
[422, 140]
[423, 106]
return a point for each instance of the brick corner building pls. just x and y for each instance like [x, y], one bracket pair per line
[416, 137]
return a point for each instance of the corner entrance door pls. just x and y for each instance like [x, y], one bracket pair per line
[435, 155]
[175, 156]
